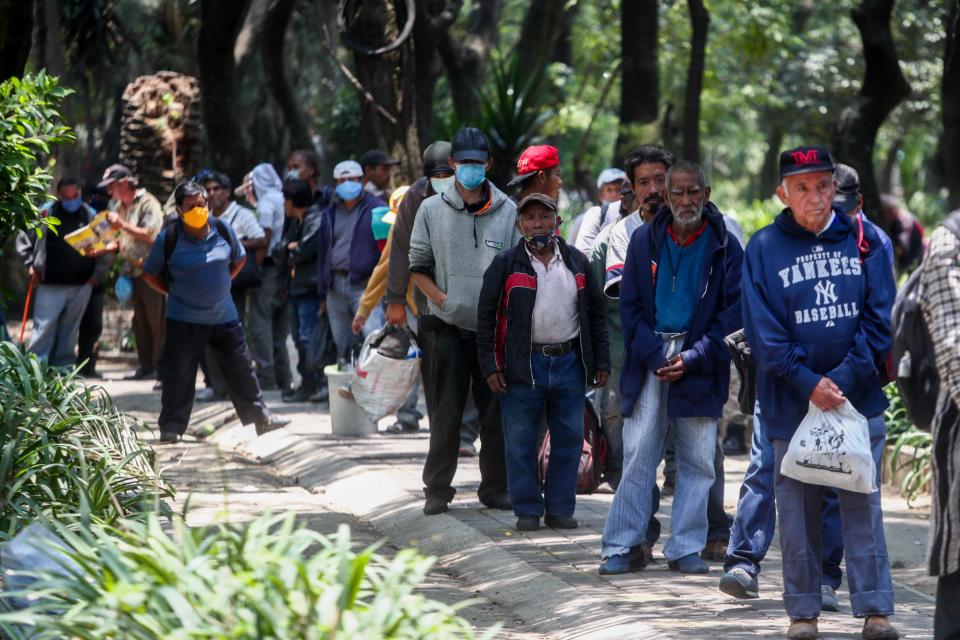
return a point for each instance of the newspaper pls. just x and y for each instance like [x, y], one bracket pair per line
[93, 237]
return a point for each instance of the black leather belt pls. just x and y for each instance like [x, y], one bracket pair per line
[554, 349]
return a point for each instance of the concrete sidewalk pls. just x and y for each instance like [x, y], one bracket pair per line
[544, 584]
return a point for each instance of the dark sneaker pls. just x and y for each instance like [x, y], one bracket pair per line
[879, 628]
[501, 502]
[398, 428]
[715, 551]
[560, 522]
[467, 450]
[302, 394]
[528, 523]
[689, 564]
[169, 437]
[803, 629]
[209, 395]
[322, 395]
[740, 584]
[272, 423]
[142, 374]
[828, 599]
[434, 505]
[158, 386]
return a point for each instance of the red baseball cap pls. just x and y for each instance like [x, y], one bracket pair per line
[533, 159]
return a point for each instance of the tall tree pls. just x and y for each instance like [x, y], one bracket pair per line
[274, 29]
[220, 23]
[16, 36]
[884, 87]
[543, 25]
[464, 62]
[640, 75]
[700, 22]
[951, 105]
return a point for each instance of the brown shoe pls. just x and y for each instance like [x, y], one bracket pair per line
[803, 629]
[714, 551]
[879, 628]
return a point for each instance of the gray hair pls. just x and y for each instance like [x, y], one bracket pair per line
[686, 166]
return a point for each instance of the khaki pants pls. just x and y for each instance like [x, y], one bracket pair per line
[149, 315]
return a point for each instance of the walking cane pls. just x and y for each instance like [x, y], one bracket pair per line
[26, 309]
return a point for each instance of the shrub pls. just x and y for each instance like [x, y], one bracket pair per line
[266, 579]
[66, 453]
[902, 433]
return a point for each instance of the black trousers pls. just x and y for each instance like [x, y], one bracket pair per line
[182, 351]
[91, 326]
[946, 621]
[452, 365]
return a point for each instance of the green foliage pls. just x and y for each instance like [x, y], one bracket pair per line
[66, 453]
[265, 579]
[30, 124]
[903, 435]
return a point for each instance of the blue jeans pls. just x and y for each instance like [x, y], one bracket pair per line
[57, 312]
[868, 569]
[756, 517]
[559, 387]
[302, 322]
[644, 441]
[343, 300]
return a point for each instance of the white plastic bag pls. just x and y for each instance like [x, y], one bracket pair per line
[382, 379]
[832, 448]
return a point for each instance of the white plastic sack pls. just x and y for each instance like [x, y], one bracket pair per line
[832, 448]
[381, 380]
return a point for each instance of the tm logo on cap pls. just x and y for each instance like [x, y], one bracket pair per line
[806, 157]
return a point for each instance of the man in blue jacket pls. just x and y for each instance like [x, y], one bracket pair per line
[347, 252]
[679, 297]
[817, 296]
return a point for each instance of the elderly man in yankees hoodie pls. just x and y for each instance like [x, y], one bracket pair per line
[816, 309]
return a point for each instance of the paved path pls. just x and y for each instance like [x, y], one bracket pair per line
[541, 584]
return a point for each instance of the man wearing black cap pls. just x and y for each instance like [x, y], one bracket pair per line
[377, 168]
[456, 235]
[817, 297]
[542, 339]
[849, 200]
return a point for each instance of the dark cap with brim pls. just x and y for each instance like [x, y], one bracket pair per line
[848, 188]
[470, 144]
[807, 159]
[435, 158]
[113, 173]
[376, 157]
[537, 198]
[520, 179]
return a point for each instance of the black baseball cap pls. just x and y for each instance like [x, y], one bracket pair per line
[540, 198]
[848, 188]
[113, 173]
[435, 158]
[376, 157]
[470, 144]
[806, 159]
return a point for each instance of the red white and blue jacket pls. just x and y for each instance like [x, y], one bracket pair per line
[505, 315]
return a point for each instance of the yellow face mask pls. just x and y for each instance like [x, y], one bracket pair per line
[195, 218]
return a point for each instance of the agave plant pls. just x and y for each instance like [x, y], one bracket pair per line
[66, 453]
[265, 579]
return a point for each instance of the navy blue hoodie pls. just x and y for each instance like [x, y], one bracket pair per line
[814, 306]
[704, 387]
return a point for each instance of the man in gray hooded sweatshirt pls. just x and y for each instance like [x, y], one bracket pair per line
[455, 237]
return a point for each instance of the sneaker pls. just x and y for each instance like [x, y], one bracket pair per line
[302, 394]
[169, 437]
[272, 423]
[828, 599]
[322, 395]
[398, 428]
[803, 629]
[879, 628]
[158, 386]
[528, 523]
[141, 374]
[435, 505]
[689, 564]
[209, 395]
[715, 551]
[615, 565]
[501, 502]
[560, 522]
[468, 450]
[740, 584]
[733, 444]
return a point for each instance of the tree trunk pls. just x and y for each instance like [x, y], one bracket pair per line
[271, 48]
[542, 26]
[951, 105]
[700, 21]
[16, 36]
[220, 23]
[563, 49]
[770, 172]
[464, 64]
[640, 76]
[884, 87]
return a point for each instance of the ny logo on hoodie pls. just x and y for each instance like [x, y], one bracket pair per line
[826, 292]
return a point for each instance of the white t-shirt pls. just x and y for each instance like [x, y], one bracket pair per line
[617, 246]
[242, 221]
[593, 222]
[270, 212]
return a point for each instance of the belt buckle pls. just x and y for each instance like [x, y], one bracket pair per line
[552, 349]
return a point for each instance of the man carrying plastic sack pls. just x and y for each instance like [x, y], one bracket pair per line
[817, 298]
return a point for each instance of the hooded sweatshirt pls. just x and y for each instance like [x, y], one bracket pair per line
[455, 247]
[269, 192]
[816, 305]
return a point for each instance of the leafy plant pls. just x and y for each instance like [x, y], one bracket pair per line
[30, 124]
[266, 579]
[66, 453]
[919, 466]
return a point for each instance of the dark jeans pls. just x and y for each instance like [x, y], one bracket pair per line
[91, 326]
[946, 621]
[454, 365]
[753, 526]
[178, 371]
[559, 388]
[799, 507]
[303, 320]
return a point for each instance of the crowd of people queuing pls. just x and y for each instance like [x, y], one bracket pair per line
[520, 328]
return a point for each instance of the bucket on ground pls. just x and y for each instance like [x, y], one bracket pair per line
[347, 418]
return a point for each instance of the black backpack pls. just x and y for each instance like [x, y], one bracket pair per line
[247, 278]
[913, 359]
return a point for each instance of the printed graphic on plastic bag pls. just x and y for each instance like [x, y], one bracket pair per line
[832, 448]
[385, 371]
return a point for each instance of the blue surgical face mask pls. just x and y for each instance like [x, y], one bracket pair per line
[349, 190]
[441, 184]
[471, 175]
[71, 206]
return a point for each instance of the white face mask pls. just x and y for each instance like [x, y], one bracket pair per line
[441, 184]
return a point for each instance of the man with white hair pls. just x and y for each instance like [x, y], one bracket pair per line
[587, 225]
